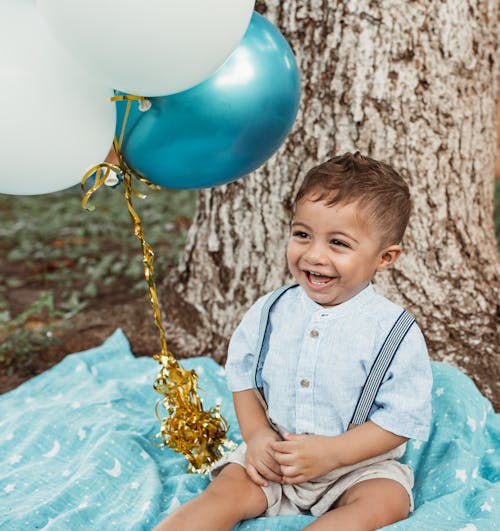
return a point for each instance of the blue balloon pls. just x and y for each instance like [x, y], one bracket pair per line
[223, 128]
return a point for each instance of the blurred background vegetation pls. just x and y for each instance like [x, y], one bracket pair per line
[58, 260]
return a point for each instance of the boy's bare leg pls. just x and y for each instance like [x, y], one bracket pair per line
[368, 505]
[231, 497]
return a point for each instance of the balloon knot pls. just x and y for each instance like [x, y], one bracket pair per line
[144, 104]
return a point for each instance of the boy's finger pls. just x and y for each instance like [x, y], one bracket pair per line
[273, 466]
[270, 474]
[289, 471]
[292, 475]
[295, 436]
[282, 447]
[285, 459]
[255, 476]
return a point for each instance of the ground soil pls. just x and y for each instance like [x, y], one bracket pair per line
[86, 330]
[93, 325]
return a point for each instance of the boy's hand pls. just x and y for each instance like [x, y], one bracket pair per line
[304, 457]
[259, 459]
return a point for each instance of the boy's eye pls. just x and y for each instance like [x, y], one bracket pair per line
[300, 234]
[338, 243]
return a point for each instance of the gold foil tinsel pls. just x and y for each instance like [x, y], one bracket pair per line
[199, 435]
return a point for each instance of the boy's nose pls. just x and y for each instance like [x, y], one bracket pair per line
[315, 254]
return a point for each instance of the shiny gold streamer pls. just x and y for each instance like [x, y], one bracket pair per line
[199, 435]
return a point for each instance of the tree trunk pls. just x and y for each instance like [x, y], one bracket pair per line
[414, 84]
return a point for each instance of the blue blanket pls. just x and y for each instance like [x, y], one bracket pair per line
[76, 450]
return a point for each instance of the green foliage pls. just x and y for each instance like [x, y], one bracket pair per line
[23, 338]
[80, 258]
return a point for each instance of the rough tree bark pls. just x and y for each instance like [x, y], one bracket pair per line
[410, 82]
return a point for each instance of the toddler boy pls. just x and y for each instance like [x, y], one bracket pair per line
[303, 451]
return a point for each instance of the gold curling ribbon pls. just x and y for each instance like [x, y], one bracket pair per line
[199, 435]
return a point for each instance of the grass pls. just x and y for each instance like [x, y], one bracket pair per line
[57, 259]
[25, 336]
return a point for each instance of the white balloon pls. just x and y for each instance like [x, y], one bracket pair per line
[149, 47]
[55, 120]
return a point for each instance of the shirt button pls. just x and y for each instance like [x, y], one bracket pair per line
[314, 333]
[304, 383]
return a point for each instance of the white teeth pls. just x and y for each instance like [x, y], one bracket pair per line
[316, 282]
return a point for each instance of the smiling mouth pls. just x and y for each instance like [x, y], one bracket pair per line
[316, 279]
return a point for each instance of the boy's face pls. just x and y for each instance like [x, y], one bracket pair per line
[333, 251]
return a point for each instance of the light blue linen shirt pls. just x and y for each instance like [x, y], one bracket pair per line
[319, 358]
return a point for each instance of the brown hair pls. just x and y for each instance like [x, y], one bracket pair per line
[375, 185]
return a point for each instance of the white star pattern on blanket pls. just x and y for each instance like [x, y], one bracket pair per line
[56, 462]
[14, 459]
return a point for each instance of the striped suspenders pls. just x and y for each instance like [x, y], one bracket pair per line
[263, 326]
[379, 368]
[377, 372]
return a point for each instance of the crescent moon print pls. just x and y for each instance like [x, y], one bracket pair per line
[54, 451]
[116, 470]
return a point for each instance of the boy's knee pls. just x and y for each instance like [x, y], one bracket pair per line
[381, 501]
[237, 490]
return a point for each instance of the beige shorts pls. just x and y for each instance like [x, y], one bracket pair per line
[317, 497]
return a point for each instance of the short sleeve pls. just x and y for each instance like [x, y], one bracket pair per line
[241, 350]
[404, 399]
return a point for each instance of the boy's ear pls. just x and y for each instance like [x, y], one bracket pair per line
[388, 256]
